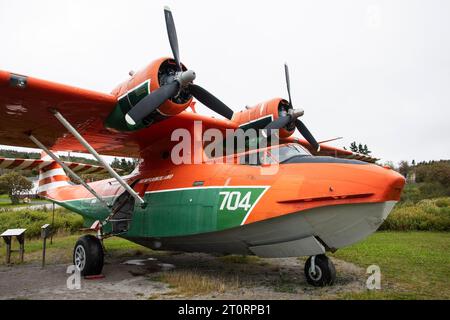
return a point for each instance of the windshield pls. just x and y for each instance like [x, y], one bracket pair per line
[277, 154]
[288, 151]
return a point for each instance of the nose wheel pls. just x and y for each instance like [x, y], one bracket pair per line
[320, 271]
[88, 255]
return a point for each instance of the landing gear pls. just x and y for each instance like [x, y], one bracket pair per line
[320, 271]
[88, 255]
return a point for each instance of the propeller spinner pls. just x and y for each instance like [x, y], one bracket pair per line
[291, 117]
[181, 80]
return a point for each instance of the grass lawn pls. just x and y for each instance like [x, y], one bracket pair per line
[414, 265]
[5, 202]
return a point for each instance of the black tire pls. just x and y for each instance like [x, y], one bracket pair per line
[325, 272]
[92, 249]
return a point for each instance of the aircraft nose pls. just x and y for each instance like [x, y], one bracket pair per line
[393, 185]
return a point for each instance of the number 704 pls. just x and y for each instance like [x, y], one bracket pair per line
[233, 200]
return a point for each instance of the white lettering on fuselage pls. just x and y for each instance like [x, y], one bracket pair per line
[154, 179]
[233, 200]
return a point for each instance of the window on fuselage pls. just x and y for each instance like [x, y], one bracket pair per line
[252, 159]
[277, 154]
[286, 152]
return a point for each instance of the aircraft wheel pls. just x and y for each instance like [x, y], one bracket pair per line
[88, 255]
[324, 273]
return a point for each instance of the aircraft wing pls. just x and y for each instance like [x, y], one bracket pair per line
[26, 104]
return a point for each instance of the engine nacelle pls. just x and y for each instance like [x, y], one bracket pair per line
[142, 83]
[259, 116]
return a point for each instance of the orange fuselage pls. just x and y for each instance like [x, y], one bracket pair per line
[201, 198]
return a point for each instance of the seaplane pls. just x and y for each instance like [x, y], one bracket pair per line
[289, 197]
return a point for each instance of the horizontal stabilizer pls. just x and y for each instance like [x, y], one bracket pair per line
[38, 164]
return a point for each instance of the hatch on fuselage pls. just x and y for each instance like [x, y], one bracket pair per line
[122, 210]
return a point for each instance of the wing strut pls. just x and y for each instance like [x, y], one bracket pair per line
[94, 153]
[68, 170]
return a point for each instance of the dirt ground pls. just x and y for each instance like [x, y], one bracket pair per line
[144, 277]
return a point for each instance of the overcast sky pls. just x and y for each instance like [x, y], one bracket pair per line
[377, 72]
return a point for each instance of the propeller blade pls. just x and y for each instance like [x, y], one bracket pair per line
[210, 101]
[172, 33]
[288, 82]
[307, 134]
[277, 124]
[151, 102]
[281, 122]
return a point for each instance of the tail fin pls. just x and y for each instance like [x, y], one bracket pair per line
[51, 175]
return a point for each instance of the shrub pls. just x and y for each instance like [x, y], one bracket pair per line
[434, 171]
[411, 193]
[415, 192]
[32, 220]
[14, 184]
[442, 203]
[426, 215]
[430, 190]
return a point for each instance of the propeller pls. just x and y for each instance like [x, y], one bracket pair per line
[172, 33]
[182, 80]
[291, 117]
[211, 101]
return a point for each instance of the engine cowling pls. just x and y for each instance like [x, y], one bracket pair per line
[142, 83]
[259, 116]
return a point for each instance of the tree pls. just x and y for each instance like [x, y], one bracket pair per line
[434, 171]
[389, 164]
[366, 150]
[404, 168]
[14, 184]
[116, 163]
[125, 166]
[359, 148]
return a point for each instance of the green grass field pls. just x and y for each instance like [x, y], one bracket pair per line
[414, 265]
[5, 202]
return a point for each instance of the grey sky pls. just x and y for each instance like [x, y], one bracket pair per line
[372, 71]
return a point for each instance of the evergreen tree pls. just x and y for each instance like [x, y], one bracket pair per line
[359, 148]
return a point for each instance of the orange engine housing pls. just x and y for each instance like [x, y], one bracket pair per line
[153, 73]
[262, 114]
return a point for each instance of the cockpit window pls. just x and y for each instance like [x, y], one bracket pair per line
[252, 159]
[288, 151]
[277, 154]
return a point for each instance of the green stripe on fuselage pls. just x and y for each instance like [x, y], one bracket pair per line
[180, 212]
